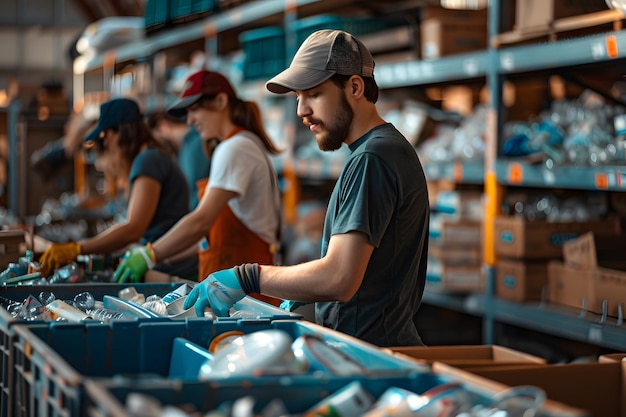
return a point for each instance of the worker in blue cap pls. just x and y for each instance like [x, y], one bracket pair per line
[158, 193]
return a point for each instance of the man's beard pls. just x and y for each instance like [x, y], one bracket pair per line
[335, 135]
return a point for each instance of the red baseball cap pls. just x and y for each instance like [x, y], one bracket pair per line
[200, 84]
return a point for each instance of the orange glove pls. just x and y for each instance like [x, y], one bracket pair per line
[58, 255]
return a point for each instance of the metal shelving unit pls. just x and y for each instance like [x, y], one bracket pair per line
[494, 65]
[491, 65]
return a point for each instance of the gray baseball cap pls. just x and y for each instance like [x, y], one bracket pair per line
[322, 55]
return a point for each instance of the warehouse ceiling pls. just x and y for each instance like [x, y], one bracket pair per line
[94, 10]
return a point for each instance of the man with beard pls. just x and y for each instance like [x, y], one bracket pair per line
[370, 278]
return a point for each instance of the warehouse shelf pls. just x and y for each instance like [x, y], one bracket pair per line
[607, 178]
[228, 19]
[491, 66]
[468, 304]
[547, 318]
[598, 48]
[562, 321]
[460, 172]
[419, 72]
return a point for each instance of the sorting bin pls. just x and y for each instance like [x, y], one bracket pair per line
[98, 290]
[52, 362]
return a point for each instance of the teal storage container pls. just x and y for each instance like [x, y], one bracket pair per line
[188, 10]
[264, 52]
[156, 15]
[260, 310]
[53, 362]
[62, 291]
[356, 26]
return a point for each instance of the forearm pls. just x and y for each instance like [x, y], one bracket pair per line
[335, 277]
[115, 238]
[188, 253]
[180, 238]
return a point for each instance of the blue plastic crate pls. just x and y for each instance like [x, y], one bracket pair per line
[98, 290]
[156, 15]
[108, 398]
[187, 10]
[56, 359]
[356, 26]
[20, 292]
[264, 52]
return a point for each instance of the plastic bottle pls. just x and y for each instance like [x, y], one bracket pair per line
[59, 308]
[69, 273]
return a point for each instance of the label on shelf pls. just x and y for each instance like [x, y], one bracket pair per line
[612, 50]
[470, 67]
[595, 334]
[457, 172]
[209, 30]
[516, 173]
[602, 181]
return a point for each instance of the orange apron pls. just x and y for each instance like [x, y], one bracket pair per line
[231, 243]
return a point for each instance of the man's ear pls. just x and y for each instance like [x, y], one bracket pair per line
[357, 86]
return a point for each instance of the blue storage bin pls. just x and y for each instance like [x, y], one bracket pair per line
[108, 398]
[58, 358]
[264, 52]
[356, 26]
[64, 291]
[187, 10]
[156, 15]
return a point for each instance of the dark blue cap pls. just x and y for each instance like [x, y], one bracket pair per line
[114, 113]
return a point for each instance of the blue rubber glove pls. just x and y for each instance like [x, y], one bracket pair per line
[222, 289]
[135, 264]
[292, 305]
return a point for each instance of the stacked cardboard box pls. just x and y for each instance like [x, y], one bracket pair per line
[455, 245]
[592, 274]
[448, 32]
[526, 248]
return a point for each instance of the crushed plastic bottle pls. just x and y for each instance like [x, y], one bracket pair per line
[67, 274]
[84, 301]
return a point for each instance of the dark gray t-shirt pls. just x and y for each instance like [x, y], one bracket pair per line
[381, 192]
[174, 198]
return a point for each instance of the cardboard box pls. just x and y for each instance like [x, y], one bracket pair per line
[12, 243]
[448, 232]
[589, 251]
[447, 32]
[610, 286]
[467, 355]
[538, 15]
[569, 286]
[598, 388]
[520, 281]
[454, 279]
[470, 255]
[516, 237]
[586, 272]
[611, 357]
[489, 386]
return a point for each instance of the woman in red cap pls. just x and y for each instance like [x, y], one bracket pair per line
[238, 218]
[158, 190]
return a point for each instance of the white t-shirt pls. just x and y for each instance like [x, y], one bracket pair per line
[240, 164]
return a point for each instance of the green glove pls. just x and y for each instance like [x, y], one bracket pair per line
[136, 262]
